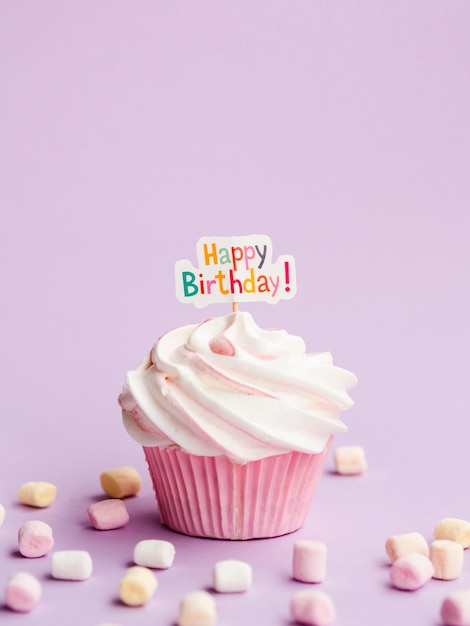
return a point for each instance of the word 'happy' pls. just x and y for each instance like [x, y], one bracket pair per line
[235, 269]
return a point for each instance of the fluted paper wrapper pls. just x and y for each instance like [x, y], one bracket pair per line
[214, 497]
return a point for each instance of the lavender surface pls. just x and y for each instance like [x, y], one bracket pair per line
[339, 129]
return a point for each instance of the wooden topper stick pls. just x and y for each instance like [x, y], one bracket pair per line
[234, 307]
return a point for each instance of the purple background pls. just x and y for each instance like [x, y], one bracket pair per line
[340, 129]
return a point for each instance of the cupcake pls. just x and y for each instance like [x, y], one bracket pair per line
[235, 423]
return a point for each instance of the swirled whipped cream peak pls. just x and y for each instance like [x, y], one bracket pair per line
[227, 387]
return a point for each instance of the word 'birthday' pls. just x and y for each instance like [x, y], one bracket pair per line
[235, 269]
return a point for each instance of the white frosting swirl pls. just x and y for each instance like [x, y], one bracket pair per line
[228, 387]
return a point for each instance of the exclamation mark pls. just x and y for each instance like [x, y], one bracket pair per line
[286, 269]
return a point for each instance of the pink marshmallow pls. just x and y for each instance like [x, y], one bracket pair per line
[108, 514]
[22, 592]
[309, 561]
[312, 608]
[35, 539]
[411, 571]
[455, 610]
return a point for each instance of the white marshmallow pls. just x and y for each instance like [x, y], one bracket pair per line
[309, 561]
[447, 559]
[154, 553]
[312, 608]
[2, 515]
[399, 545]
[71, 565]
[197, 608]
[231, 576]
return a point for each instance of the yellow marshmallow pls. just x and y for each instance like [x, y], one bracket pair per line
[137, 586]
[121, 482]
[350, 460]
[197, 608]
[399, 545]
[454, 529]
[38, 494]
[447, 559]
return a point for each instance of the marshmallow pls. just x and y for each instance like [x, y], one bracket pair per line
[455, 609]
[447, 559]
[38, 494]
[35, 539]
[231, 576]
[121, 482]
[137, 586]
[2, 515]
[312, 608]
[399, 545]
[411, 571]
[197, 608]
[22, 592]
[309, 561]
[154, 553]
[454, 529]
[108, 514]
[71, 565]
[350, 460]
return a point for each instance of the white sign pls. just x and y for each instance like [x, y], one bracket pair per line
[235, 269]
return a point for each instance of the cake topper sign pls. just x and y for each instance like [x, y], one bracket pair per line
[235, 269]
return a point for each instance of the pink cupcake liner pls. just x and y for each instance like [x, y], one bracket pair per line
[217, 498]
